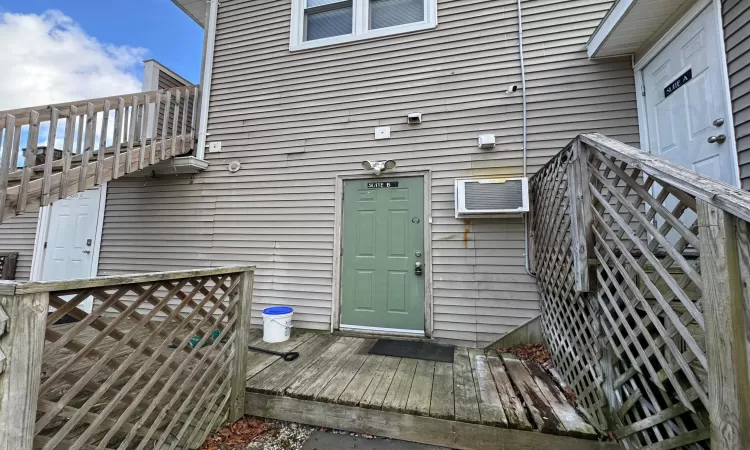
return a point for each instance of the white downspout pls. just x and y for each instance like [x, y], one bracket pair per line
[527, 257]
[209, 39]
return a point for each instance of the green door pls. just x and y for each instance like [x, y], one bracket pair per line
[383, 240]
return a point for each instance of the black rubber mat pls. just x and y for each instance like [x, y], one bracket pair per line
[413, 349]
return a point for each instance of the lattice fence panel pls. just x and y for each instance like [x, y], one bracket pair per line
[649, 291]
[150, 367]
[568, 318]
[633, 348]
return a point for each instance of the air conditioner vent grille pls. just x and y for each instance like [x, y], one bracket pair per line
[494, 196]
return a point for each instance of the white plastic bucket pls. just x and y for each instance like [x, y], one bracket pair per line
[277, 324]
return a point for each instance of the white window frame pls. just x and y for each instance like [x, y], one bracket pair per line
[361, 20]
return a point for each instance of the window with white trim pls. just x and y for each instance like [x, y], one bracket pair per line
[317, 23]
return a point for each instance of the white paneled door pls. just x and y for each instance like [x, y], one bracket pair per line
[71, 239]
[686, 103]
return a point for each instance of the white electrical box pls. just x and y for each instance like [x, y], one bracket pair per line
[214, 147]
[382, 132]
[491, 198]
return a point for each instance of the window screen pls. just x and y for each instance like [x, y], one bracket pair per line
[327, 18]
[390, 13]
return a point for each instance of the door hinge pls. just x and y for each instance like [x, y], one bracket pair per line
[643, 91]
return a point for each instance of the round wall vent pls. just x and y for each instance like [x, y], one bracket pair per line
[234, 166]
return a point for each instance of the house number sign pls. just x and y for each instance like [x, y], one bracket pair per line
[382, 184]
[678, 83]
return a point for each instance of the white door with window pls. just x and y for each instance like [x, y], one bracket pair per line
[686, 105]
[71, 238]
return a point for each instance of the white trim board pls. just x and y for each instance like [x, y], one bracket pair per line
[360, 26]
[658, 47]
[42, 233]
[611, 20]
[337, 237]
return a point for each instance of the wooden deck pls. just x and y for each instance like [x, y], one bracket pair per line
[481, 400]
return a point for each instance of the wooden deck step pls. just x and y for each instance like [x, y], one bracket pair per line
[479, 387]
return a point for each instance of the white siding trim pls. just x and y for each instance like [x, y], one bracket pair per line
[360, 17]
[208, 67]
[729, 114]
[608, 24]
[337, 238]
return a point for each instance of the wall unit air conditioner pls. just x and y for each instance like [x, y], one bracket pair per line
[491, 198]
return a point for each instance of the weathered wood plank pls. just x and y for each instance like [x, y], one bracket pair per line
[466, 404]
[88, 147]
[582, 241]
[49, 156]
[398, 392]
[420, 394]
[258, 361]
[241, 337]
[22, 343]
[354, 391]
[329, 363]
[571, 420]
[441, 403]
[114, 280]
[490, 408]
[512, 405]
[132, 134]
[117, 136]
[544, 417]
[165, 125]
[277, 376]
[144, 132]
[155, 128]
[29, 156]
[100, 156]
[5, 159]
[343, 378]
[425, 430]
[378, 388]
[67, 155]
[728, 383]
[726, 197]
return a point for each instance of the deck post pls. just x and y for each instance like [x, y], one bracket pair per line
[22, 325]
[726, 338]
[581, 220]
[242, 329]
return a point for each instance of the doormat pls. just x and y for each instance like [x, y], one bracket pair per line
[427, 351]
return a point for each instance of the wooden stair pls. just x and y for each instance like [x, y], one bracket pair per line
[146, 128]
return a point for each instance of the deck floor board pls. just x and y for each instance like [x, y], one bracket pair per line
[478, 387]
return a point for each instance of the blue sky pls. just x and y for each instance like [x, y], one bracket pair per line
[159, 26]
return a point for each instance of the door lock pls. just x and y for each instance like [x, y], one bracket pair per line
[418, 268]
[720, 139]
[718, 122]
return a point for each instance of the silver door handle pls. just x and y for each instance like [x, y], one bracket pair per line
[718, 122]
[720, 139]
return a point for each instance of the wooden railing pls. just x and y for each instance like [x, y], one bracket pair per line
[643, 268]
[8, 263]
[99, 140]
[160, 362]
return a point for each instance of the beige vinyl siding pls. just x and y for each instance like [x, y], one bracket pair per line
[17, 235]
[736, 15]
[295, 121]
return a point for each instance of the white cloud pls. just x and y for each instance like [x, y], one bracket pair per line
[49, 58]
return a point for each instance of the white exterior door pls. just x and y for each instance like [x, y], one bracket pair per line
[686, 103]
[73, 225]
